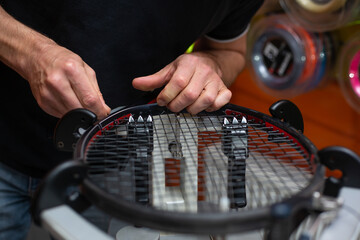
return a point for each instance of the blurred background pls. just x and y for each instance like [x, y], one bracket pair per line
[307, 51]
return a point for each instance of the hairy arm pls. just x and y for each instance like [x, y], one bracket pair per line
[59, 79]
[199, 80]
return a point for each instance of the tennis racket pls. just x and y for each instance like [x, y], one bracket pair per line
[214, 173]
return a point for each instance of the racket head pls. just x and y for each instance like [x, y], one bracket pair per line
[281, 166]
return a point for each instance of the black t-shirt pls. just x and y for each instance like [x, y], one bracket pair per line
[120, 40]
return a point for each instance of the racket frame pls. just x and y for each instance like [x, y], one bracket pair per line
[270, 217]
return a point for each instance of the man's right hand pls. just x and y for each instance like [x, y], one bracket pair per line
[59, 79]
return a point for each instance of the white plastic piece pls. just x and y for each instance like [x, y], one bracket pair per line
[64, 223]
[183, 131]
[216, 176]
[135, 233]
[347, 223]
[189, 165]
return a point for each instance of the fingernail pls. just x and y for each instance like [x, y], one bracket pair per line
[161, 102]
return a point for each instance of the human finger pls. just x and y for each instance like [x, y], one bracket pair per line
[206, 99]
[222, 98]
[55, 103]
[156, 80]
[87, 94]
[187, 96]
[54, 94]
[177, 83]
[92, 76]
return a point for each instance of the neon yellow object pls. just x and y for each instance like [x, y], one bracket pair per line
[191, 48]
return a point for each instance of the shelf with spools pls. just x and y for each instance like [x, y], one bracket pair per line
[317, 69]
[332, 15]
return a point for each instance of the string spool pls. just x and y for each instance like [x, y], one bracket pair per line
[348, 68]
[322, 15]
[287, 60]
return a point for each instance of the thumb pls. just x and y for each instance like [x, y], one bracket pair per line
[156, 80]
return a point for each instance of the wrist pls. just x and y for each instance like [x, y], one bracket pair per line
[29, 57]
[230, 64]
[212, 59]
[19, 44]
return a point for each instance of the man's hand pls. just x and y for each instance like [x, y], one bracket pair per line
[193, 81]
[199, 80]
[59, 79]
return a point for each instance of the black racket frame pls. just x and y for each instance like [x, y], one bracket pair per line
[278, 219]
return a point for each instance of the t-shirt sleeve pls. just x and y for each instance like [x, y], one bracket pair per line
[236, 21]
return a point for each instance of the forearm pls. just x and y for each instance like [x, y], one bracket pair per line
[19, 44]
[229, 57]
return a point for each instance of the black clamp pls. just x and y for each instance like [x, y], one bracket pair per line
[61, 187]
[289, 113]
[235, 147]
[70, 128]
[344, 160]
[140, 140]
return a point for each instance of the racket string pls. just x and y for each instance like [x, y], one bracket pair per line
[198, 174]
